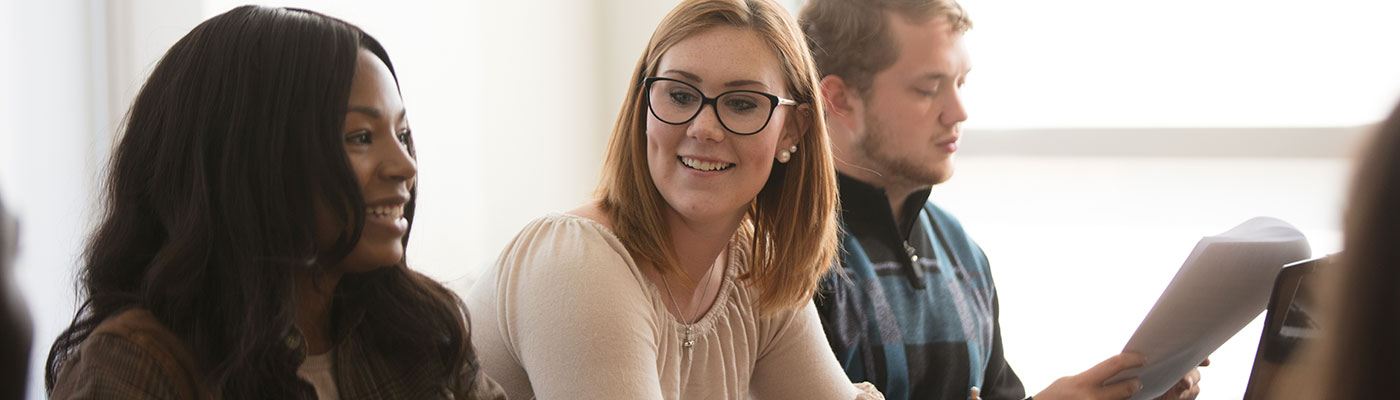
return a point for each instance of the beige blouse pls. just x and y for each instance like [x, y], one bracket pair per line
[319, 371]
[566, 314]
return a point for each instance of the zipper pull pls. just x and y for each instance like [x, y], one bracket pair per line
[913, 256]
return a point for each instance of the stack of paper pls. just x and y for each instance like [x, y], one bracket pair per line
[1223, 285]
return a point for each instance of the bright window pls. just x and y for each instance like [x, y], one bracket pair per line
[1187, 63]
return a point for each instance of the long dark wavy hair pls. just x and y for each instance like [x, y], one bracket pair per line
[209, 209]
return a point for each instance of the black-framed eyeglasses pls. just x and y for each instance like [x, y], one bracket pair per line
[743, 112]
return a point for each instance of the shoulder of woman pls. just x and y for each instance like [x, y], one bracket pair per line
[564, 238]
[140, 327]
[552, 255]
[133, 322]
[131, 353]
[561, 255]
[563, 273]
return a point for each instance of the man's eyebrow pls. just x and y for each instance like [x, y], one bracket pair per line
[936, 75]
[933, 76]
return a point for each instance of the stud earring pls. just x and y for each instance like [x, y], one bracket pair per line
[784, 156]
[793, 149]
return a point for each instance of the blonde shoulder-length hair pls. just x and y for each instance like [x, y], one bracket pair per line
[790, 228]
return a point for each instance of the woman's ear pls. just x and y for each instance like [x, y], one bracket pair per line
[798, 125]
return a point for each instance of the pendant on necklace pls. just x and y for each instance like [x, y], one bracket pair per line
[688, 342]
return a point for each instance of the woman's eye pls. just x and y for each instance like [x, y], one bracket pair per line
[740, 105]
[682, 97]
[360, 137]
[404, 136]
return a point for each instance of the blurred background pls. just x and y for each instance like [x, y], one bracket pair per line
[1106, 137]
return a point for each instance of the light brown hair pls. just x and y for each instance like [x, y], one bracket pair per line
[790, 227]
[851, 38]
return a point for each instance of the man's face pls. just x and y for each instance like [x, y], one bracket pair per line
[913, 110]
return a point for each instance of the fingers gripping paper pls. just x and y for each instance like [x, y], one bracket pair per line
[1221, 287]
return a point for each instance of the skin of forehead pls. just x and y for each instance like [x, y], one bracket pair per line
[725, 54]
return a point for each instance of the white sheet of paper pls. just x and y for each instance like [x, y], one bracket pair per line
[1223, 285]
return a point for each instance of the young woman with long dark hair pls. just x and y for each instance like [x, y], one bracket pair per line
[256, 214]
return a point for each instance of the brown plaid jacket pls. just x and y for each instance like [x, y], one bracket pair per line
[133, 356]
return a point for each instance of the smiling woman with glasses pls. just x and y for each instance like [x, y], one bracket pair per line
[692, 274]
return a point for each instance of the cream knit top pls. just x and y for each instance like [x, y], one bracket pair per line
[566, 314]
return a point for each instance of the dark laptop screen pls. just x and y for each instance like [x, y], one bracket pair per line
[1289, 321]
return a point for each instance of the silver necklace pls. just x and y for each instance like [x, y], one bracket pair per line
[689, 341]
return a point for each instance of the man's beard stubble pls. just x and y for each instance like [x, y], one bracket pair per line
[895, 168]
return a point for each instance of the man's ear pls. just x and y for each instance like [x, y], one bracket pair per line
[843, 102]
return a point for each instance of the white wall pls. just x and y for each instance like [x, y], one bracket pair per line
[50, 149]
